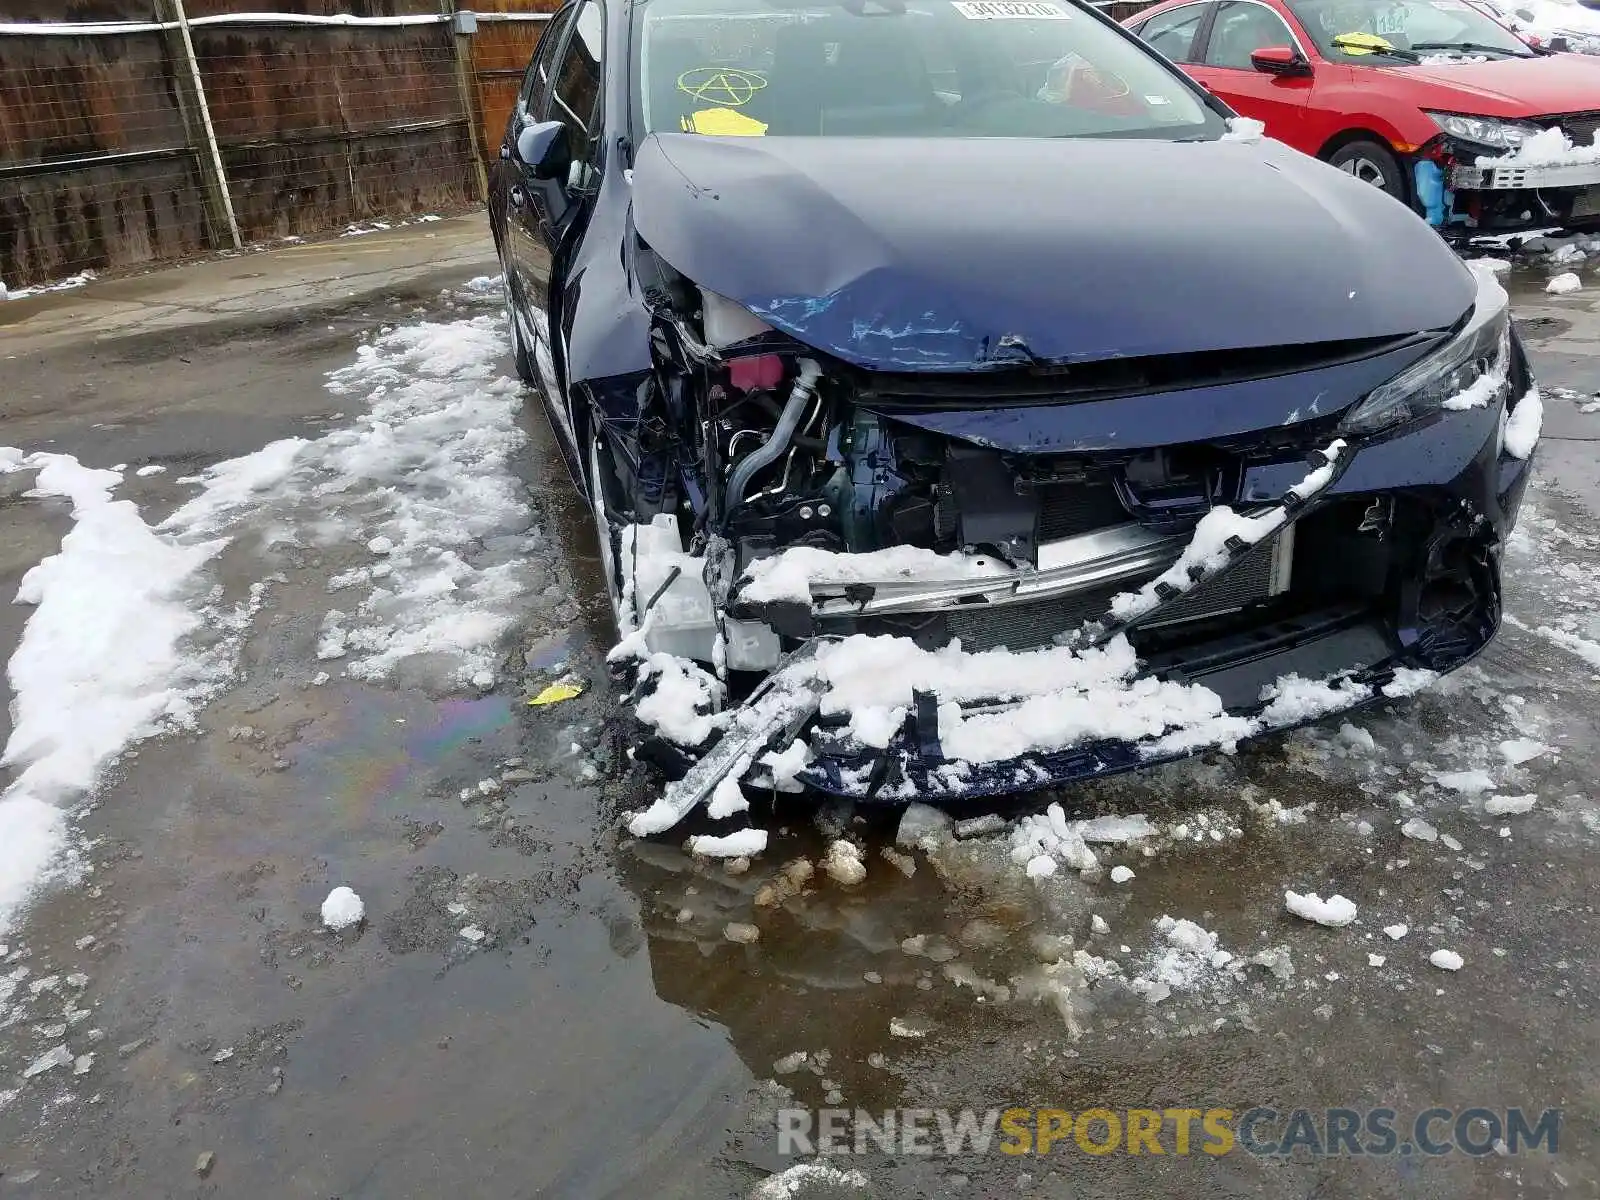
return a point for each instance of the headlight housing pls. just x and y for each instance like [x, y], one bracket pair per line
[1468, 371]
[1484, 131]
[728, 323]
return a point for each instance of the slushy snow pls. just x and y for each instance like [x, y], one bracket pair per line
[1501, 806]
[1446, 960]
[803, 1178]
[1334, 912]
[422, 480]
[342, 909]
[1469, 782]
[1517, 751]
[744, 843]
[102, 662]
[843, 863]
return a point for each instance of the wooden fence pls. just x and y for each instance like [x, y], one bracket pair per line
[136, 131]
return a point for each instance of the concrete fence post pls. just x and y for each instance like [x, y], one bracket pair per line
[197, 115]
[463, 24]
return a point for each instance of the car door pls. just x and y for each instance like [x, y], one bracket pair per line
[518, 255]
[1281, 102]
[548, 213]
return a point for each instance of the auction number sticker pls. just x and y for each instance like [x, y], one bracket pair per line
[1393, 21]
[1011, 10]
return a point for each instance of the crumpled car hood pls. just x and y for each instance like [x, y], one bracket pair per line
[950, 254]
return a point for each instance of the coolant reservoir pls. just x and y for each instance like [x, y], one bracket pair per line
[683, 622]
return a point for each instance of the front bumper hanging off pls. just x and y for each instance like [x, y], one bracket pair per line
[1440, 618]
[1516, 177]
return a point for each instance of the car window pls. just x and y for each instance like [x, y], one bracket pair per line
[903, 68]
[1369, 31]
[1172, 32]
[575, 98]
[1241, 28]
[533, 83]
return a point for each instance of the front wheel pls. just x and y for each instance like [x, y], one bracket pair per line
[519, 348]
[1374, 164]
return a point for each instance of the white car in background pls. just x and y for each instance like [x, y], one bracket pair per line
[1553, 24]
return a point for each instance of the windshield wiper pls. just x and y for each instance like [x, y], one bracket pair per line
[1469, 48]
[1359, 48]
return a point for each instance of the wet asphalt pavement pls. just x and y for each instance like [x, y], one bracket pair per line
[606, 1038]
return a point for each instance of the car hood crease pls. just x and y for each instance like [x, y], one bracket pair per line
[950, 254]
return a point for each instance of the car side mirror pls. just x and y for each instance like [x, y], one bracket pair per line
[1279, 60]
[542, 150]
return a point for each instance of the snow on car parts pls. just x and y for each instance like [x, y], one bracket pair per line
[900, 496]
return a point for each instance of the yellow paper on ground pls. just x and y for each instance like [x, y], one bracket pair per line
[557, 693]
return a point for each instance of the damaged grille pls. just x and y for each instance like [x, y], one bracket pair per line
[1029, 626]
[1070, 509]
[1580, 127]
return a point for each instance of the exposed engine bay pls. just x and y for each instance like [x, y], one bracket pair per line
[1019, 550]
[770, 501]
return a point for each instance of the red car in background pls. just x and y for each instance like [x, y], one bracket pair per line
[1411, 97]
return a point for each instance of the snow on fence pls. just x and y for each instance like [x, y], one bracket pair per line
[133, 141]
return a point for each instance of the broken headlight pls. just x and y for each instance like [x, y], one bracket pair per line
[1484, 131]
[1468, 371]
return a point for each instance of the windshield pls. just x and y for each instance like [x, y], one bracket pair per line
[1375, 30]
[902, 68]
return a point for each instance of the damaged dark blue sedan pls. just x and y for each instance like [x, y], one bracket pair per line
[968, 402]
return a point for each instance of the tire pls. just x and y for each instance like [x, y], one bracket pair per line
[519, 349]
[1372, 163]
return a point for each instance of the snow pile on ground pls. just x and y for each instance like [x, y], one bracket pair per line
[1564, 284]
[102, 662]
[1334, 912]
[1188, 957]
[1524, 425]
[420, 485]
[60, 285]
[804, 1178]
[1547, 148]
[342, 909]
[1042, 841]
[745, 843]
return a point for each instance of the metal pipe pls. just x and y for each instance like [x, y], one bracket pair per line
[223, 20]
[768, 451]
[220, 174]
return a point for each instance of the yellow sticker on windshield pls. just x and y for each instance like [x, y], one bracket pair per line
[723, 122]
[1362, 43]
[722, 86]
